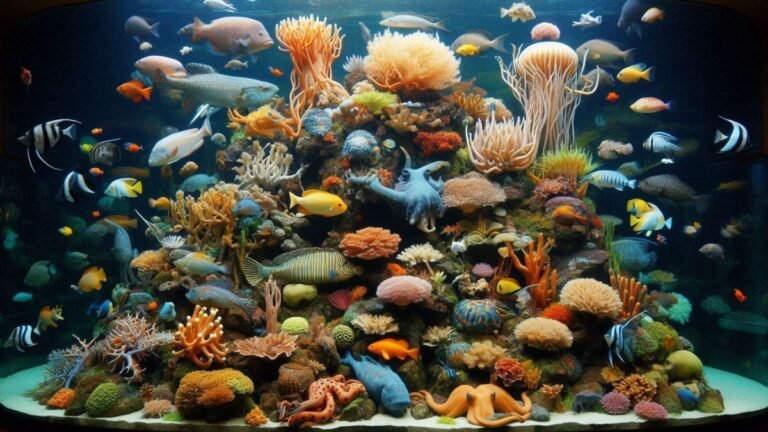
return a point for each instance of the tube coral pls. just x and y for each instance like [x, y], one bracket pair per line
[497, 147]
[370, 243]
[200, 339]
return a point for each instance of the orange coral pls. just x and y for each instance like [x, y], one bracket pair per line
[62, 399]
[633, 295]
[200, 339]
[531, 375]
[551, 391]
[558, 312]
[438, 142]
[386, 177]
[255, 417]
[217, 395]
[357, 293]
[635, 387]
[370, 243]
[331, 181]
[210, 388]
[537, 271]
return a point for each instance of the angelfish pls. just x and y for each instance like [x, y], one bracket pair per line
[738, 135]
[44, 136]
[617, 343]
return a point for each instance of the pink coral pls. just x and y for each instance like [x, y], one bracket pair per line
[545, 30]
[482, 270]
[650, 411]
[404, 290]
[615, 403]
[509, 371]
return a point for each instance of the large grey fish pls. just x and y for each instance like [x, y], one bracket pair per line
[603, 52]
[203, 85]
[631, 12]
[669, 186]
[634, 254]
[307, 266]
[218, 293]
[412, 22]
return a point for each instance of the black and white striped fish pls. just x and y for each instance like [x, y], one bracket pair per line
[620, 343]
[20, 338]
[73, 183]
[45, 136]
[662, 142]
[738, 135]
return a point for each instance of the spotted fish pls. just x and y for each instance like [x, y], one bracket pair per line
[307, 266]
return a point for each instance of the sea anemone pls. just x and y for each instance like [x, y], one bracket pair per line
[569, 163]
[592, 297]
[496, 147]
[544, 334]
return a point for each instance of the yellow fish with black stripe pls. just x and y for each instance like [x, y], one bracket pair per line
[306, 266]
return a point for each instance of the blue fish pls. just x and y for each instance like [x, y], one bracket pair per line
[585, 401]
[101, 310]
[383, 385]
[619, 343]
[168, 312]
[688, 399]
[246, 207]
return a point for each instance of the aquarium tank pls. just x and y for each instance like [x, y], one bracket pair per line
[432, 214]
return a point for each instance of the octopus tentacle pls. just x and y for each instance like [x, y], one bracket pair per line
[494, 423]
[506, 403]
[456, 405]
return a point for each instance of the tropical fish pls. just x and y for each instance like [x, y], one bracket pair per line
[567, 215]
[631, 169]
[586, 20]
[20, 338]
[129, 171]
[390, 347]
[149, 66]
[636, 206]
[198, 182]
[45, 136]
[235, 64]
[145, 46]
[518, 11]
[479, 40]
[168, 312]
[66, 231]
[120, 220]
[91, 280]
[609, 179]
[713, 251]
[734, 228]
[635, 73]
[105, 152]
[123, 251]
[412, 22]
[597, 75]
[662, 142]
[652, 15]
[468, 50]
[199, 264]
[220, 5]
[26, 77]
[603, 52]
[140, 27]
[692, 230]
[275, 71]
[631, 14]
[246, 207]
[739, 136]
[22, 297]
[658, 277]
[73, 183]
[185, 50]
[101, 310]
[162, 203]
[233, 36]
[650, 221]
[650, 105]
[126, 187]
[218, 293]
[619, 340]
[318, 202]
[95, 213]
[308, 266]
[47, 318]
[384, 386]
[96, 172]
[179, 145]
[739, 296]
[132, 147]
[670, 187]
[40, 273]
[612, 97]
[97, 131]
[733, 185]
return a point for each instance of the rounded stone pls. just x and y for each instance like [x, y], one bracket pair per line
[683, 365]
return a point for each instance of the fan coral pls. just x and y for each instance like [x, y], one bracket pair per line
[267, 166]
[420, 254]
[130, 340]
[65, 364]
[411, 63]
[650, 411]
[157, 408]
[270, 346]
[483, 355]
[438, 142]
[62, 399]
[635, 387]
[152, 261]
[200, 339]
[370, 243]
[482, 270]
[544, 334]
[615, 403]
[591, 296]
[404, 290]
[545, 30]
[496, 147]
[207, 389]
[255, 417]
[558, 312]
[609, 149]
[375, 324]
[374, 101]
[435, 335]
[509, 371]
[471, 192]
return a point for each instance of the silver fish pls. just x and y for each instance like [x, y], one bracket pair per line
[603, 52]
[141, 27]
[192, 264]
[662, 142]
[413, 22]
[218, 293]
[609, 179]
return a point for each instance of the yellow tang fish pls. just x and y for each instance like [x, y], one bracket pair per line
[91, 280]
[636, 206]
[317, 202]
[636, 72]
[649, 221]
[468, 50]
[124, 187]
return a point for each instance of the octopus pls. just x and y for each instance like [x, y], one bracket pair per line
[481, 404]
[265, 121]
[320, 406]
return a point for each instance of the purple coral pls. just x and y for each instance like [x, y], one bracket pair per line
[482, 270]
[650, 411]
[65, 364]
[615, 403]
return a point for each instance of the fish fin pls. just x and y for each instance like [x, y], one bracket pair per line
[146, 93]
[618, 188]
[136, 188]
[294, 200]
[632, 184]
[633, 220]
[155, 29]
[440, 25]
[197, 25]
[253, 271]
[311, 191]
[303, 210]
[287, 256]
[37, 329]
[385, 354]
[498, 43]
[702, 202]
[503, 12]
[650, 74]
[414, 353]
[629, 56]
[206, 129]
[199, 69]
[71, 131]
[401, 342]
[670, 106]
[720, 137]
[668, 223]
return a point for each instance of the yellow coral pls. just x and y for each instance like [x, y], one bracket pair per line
[544, 334]
[255, 417]
[152, 261]
[591, 296]
[483, 355]
[208, 219]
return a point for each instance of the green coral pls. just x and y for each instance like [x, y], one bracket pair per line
[295, 326]
[174, 416]
[374, 101]
[240, 384]
[102, 399]
[643, 344]
[445, 420]
[667, 397]
[664, 335]
[343, 335]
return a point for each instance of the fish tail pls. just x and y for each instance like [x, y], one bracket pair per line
[71, 131]
[254, 271]
[413, 353]
[503, 12]
[634, 221]
[632, 184]
[152, 202]
[136, 188]
[498, 43]
[440, 25]
[668, 223]
[650, 74]
[629, 56]
[294, 200]
[670, 106]
[155, 29]
[196, 30]
[146, 93]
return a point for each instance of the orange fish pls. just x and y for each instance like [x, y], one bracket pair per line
[97, 131]
[96, 171]
[452, 230]
[95, 213]
[396, 269]
[389, 347]
[739, 296]
[132, 147]
[161, 203]
[275, 71]
[649, 105]
[151, 306]
[26, 77]
[123, 221]
[612, 97]
[135, 91]
[567, 215]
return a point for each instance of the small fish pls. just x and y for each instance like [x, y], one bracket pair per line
[135, 91]
[145, 46]
[458, 247]
[151, 306]
[660, 239]
[101, 310]
[389, 347]
[507, 286]
[45, 136]
[185, 50]
[86, 147]
[129, 171]
[198, 182]
[96, 172]
[364, 32]
[612, 97]
[692, 230]
[662, 142]
[74, 183]
[119, 220]
[568, 216]
[739, 296]
[246, 207]
[396, 269]
[604, 52]
[649, 221]
[235, 64]
[96, 214]
[219, 293]
[20, 338]
[468, 50]
[318, 202]
[132, 147]
[220, 5]
[124, 188]
[105, 152]
[66, 231]
[733, 185]
[26, 77]
[168, 312]
[713, 251]
[479, 41]
[650, 105]
[74, 260]
[733, 229]
[635, 73]
[97, 131]
[739, 135]
[275, 71]
[412, 22]
[141, 27]
[308, 266]
[586, 20]
[199, 264]
[652, 15]
[518, 11]
[609, 179]
[47, 318]
[22, 297]
[161, 203]
[90, 280]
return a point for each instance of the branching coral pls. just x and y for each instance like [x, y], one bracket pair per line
[208, 219]
[633, 295]
[496, 147]
[267, 166]
[370, 243]
[420, 254]
[411, 63]
[435, 335]
[200, 339]
[270, 346]
[535, 260]
[130, 340]
[471, 192]
[375, 324]
[65, 364]
[635, 387]
[544, 334]
[592, 297]
[483, 355]
[438, 142]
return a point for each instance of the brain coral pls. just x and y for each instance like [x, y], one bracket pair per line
[370, 243]
[650, 411]
[591, 296]
[416, 62]
[544, 334]
[404, 290]
[200, 390]
[615, 403]
[102, 399]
